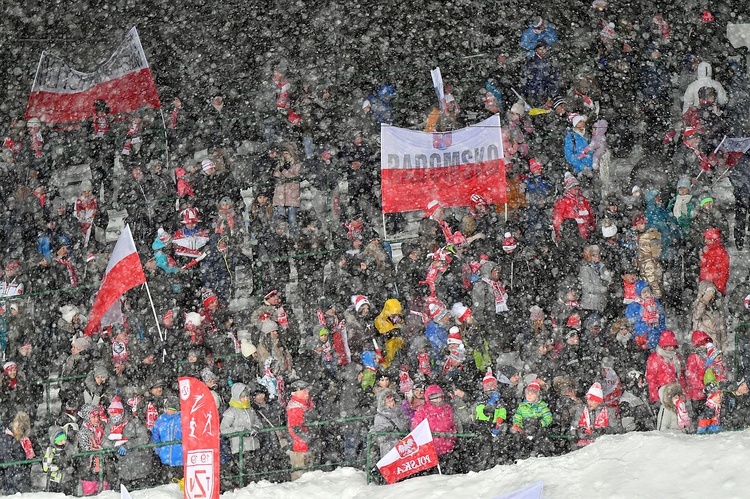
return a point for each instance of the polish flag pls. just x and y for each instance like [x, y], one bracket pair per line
[734, 148]
[60, 94]
[418, 167]
[414, 453]
[124, 272]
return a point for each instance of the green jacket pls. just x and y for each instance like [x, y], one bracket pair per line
[537, 410]
[499, 413]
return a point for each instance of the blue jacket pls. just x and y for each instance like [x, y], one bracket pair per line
[661, 219]
[574, 145]
[529, 38]
[541, 80]
[438, 337]
[168, 428]
[640, 328]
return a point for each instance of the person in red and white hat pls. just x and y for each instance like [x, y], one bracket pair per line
[573, 205]
[190, 238]
[436, 329]
[595, 418]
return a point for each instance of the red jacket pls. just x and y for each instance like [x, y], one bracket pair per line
[696, 368]
[715, 266]
[660, 372]
[576, 207]
[441, 421]
[295, 415]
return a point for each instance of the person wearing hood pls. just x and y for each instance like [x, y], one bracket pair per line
[96, 389]
[662, 220]
[389, 418]
[575, 206]
[673, 413]
[168, 428]
[91, 437]
[241, 417]
[439, 413]
[714, 266]
[703, 78]
[270, 344]
[298, 412]
[578, 154]
[646, 315]
[538, 29]
[388, 323]
[594, 418]
[635, 411]
[664, 366]
[708, 314]
[58, 462]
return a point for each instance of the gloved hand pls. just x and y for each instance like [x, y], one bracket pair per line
[254, 432]
[121, 450]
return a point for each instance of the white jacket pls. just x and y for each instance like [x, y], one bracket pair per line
[703, 79]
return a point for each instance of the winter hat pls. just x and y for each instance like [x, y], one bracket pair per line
[569, 181]
[476, 199]
[299, 385]
[267, 326]
[535, 166]
[595, 393]
[193, 320]
[436, 310]
[534, 386]
[668, 339]
[8, 366]
[684, 182]
[506, 372]
[608, 31]
[270, 294]
[536, 313]
[208, 297]
[68, 312]
[706, 17]
[359, 301]
[570, 332]
[489, 382]
[689, 132]
[574, 321]
[115, 407]
[207, 164]
[639, 218]
[190, 216]
[700, 339]
[608, 229]
[576, 118]
[172, 403]
[460, 312]
[366, 104]
[163, 236]
[86, 185]
[599, 4]
[207, 375]
[168, 316]
[509, 242]
[558, 100]
[705, 199]
[12, 266]
[247, 348]
[538, 22]
[432, 207]
[712, 352]
[518, 108]
[454, 336]
[101, 371]
[323, 332]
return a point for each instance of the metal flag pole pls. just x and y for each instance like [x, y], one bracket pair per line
[153, 309]
[166, 138]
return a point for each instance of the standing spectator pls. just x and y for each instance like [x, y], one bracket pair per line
[85, 210]
[673, 414]
[708, 314]
[703, 78]
[90, 438]
[168, 428]
[297, 414]
[538, 29]
[242, 417]
[577, 151]
[286, 195]
[714, 261]
[664, 366]
[389, 418]
[573, 205]
[595, 418]
[439, 413]
[595, 280]
[16, 446]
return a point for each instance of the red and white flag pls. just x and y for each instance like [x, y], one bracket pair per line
[417, 167]
[124, 272]
[734, 148]
[414, 453]
[60, 94]
[201, 428]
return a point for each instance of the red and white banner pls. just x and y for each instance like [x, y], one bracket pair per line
[414, 453]
[60, 94]
[200, 439]
[124, 272]
[417, 167]
[734, 148]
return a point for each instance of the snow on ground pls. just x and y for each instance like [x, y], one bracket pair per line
[635, 465]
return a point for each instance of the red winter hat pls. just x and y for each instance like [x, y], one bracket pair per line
[689, 131]
[115, 407]
[707, 17]
[574, 321]
[489, 381]
[460, 312]
[668, 339]
[639, 218]
[190, 216]
[359, 301]
[712, 352]
[436, 310]
[595, 393]
[454, 336]
[700, 339]
[169, 315]
[534, 386]
[535, 166]
[270, 294]
[509, 242]
[208, 297]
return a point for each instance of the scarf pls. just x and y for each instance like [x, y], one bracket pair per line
[680, 208]
[151, 415]
[649, 311]
[326, 355]
[37, 143]
[14, 146]
[72, 274]
[717, 410]
[239, 405]
[601, 420]
[501, 297]
[101, 126]
[281, 318]
[629, 294]
[172, 120]
[12, 383]
[671, 357]
[282, 98]
[702, 158]
[683, 418]
[423, 362]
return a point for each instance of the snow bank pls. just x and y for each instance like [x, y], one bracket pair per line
[636, 465]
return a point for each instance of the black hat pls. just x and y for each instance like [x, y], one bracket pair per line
[299, 385]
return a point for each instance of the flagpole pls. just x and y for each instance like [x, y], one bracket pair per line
[153, 309]
[166, 138]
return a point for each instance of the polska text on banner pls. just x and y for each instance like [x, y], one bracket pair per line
[60, 94]
[414, 453]
[417, 167]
